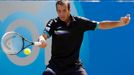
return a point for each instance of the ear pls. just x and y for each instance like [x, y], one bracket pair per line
[69, 9]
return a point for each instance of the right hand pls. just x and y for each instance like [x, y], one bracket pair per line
[43, 41]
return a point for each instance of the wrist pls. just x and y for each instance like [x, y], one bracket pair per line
[42, 39]
[121, 23]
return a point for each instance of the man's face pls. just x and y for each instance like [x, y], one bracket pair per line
[63, 12]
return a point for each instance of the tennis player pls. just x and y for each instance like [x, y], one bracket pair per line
[67, 34]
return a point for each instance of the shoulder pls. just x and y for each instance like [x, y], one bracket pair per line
[83, 19]
[52, 21]
[80, 18]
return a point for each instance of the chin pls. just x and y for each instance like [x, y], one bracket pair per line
[63, 19]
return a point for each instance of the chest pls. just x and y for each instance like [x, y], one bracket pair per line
[67, 30]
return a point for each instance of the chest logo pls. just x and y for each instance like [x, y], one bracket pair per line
[61, 32]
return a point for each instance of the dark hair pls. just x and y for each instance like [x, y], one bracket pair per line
[63, 2]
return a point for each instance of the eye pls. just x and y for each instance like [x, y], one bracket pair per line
[58, 11]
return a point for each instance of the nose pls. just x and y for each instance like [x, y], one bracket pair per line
[62, 14]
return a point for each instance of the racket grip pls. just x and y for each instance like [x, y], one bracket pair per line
[37, 43]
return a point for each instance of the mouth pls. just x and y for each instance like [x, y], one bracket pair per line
[62, 17]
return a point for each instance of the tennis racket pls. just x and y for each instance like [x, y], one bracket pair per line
[13, 43]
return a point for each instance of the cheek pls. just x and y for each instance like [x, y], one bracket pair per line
[59, 14]
[67, 14]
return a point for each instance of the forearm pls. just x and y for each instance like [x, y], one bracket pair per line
[110, 24]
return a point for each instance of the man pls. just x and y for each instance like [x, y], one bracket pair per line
[67, 34]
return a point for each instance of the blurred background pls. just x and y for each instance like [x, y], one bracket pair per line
[103, 52]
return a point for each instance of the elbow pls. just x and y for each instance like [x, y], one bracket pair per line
[105, 25]
[101, 26]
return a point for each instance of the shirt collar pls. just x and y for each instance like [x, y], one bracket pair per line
[72, 19]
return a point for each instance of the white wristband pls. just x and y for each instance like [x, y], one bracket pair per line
[42, 39]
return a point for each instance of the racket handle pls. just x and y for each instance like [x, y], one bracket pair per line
[37, 43]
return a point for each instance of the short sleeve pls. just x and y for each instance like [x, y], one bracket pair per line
[49, 28]
[87, 24]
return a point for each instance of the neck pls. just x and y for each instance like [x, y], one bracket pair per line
[68, 20]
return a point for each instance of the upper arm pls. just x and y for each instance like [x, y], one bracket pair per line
[88, 24]
[48, 31]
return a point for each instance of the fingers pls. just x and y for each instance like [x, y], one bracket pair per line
[43, 44]
[42, 41]
[126, 19]
[128, 15]
[122, 21]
